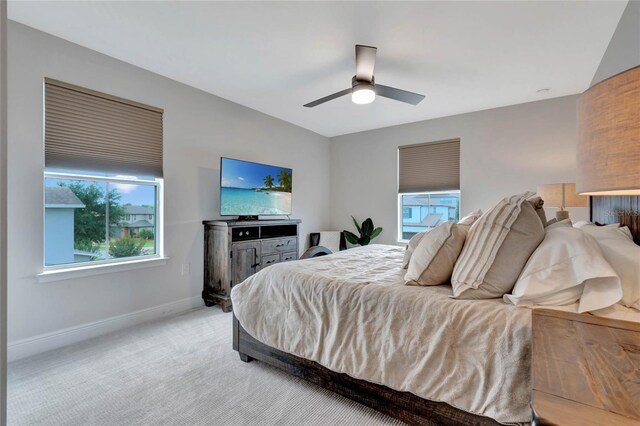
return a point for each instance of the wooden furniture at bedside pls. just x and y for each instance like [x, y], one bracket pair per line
[585, 370]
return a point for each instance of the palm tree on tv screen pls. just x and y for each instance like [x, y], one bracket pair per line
[285, 180]
[268, 181]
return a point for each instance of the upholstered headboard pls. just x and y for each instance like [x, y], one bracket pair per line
[619, 209]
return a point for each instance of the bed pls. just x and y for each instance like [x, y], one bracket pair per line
[341, 302]
[321, 319]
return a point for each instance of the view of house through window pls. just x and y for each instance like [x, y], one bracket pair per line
[426, 210]
[90, 219]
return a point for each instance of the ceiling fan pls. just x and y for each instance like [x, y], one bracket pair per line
[363, 88]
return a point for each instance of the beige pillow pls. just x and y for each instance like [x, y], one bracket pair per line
[433, 260]
[537, 202]
[471, 217]
[411, 246]
[497, 249]
[415, 240]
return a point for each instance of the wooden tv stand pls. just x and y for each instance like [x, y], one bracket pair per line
[236, 249]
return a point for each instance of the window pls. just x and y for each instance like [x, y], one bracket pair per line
[428, 186]
[86, 218]
[102, 179]
[426, 211]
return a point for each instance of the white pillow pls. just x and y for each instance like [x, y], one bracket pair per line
[581, 223]
[622, 254]
[435, 256]
[415, 240]
[558, 224]
[566, 267]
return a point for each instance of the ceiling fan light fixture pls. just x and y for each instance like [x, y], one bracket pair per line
[363, 94]
[364, 89]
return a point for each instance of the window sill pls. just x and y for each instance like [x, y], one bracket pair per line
[108, 268]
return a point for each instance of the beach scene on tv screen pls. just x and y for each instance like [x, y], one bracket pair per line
[250, 189]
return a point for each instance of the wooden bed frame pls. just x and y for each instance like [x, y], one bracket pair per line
[403, 405]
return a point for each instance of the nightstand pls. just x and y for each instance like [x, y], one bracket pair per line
[585, 370]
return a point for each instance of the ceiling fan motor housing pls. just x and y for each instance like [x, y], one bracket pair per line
[362, 83]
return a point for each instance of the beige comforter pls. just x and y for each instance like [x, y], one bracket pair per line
[351, 312]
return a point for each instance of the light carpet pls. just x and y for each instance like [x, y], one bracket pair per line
[180, 370]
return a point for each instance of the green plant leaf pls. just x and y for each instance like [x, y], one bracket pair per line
[351, 237]
[364, 240]
[376, 232]
[355, 222]
[367, 227]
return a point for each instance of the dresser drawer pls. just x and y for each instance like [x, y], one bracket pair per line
[269, 260]
[287, 257]
[280, 245]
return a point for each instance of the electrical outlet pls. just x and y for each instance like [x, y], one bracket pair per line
[186, 268]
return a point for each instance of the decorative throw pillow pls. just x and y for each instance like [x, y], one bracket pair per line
[537, 203]
[567, 266]
[497, 248]
[435, 256]
[415, 240]
[411, 246]
[471, 218]
[622, 254]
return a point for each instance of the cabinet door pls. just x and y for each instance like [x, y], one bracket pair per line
[245, 259]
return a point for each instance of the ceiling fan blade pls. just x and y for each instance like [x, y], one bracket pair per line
[328, 98]
[398, 94]
[365, 61]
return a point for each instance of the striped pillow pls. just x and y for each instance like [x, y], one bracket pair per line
[433, 260]
[483, 270]
[415, 240]
[411, 246]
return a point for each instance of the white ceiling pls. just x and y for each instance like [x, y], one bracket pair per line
[275, 57]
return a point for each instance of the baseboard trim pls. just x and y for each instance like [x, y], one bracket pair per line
[57, 339]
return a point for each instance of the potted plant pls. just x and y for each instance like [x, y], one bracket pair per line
[366, 230]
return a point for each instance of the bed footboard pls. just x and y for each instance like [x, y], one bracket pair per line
[404, 406]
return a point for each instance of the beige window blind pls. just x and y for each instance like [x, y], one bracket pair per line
[94, 132]
[429, 167]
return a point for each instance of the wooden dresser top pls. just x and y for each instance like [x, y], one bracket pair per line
[586, 369]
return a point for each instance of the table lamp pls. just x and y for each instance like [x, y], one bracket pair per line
[609, 136]
[562, 195]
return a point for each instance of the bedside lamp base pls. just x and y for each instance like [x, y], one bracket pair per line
[562, 215]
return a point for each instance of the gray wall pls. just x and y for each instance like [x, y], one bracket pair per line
[3, 211]
[503, 151]
[623, 51]
[198, 129]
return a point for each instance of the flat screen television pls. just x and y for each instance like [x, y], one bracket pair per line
[251, 189]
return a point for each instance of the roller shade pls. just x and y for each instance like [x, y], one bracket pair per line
[429, 167]
[94, 132]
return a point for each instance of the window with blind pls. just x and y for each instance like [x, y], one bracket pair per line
[102, 179]
[428, 186]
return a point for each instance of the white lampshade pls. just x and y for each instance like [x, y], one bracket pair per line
[609, 136]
